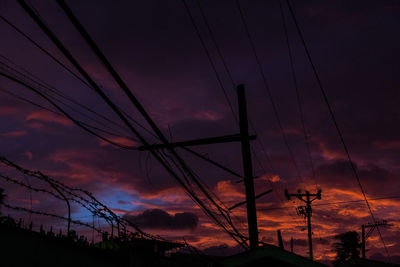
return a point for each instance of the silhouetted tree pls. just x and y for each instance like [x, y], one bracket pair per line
[348, 246]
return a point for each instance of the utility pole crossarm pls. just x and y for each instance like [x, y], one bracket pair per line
[364, 236]
[197, 142]
[244, 202]
[300, 195]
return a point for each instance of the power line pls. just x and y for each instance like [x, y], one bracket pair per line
[34, 79]
[213, 66]
[216, 71]
[227, 70]
[42, 49]
[57, 113]
[298, 98]
[333, 117]
[221, 85]
[29, 101]
[110, 103]
[225, 65]
[137, 104]
[220, 54]
[264, 79]
[208, 54]
[214, 40]
[63, 112]
[70, 71]
[297, 90]
[336, 203]
[269, 93]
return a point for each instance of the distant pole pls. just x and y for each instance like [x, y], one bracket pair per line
[280, 241]
[93, 229]
[248, 169]
[364, 235]
[112, 228]
[291, 244]
[307, 212]
[363, 241]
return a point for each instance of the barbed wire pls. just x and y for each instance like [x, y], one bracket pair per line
[90, 202]
[51, 215]
[22, 184]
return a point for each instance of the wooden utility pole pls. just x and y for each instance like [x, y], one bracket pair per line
[280, 240]
[248, 169]
[244, 138]
[291, 244]
[92, 229]
[364, 236]
[306, 211]
[363, 241]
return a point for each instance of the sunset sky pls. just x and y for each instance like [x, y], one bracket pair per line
[154, 47]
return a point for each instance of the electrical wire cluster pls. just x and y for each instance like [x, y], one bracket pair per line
[169, 158]
[99, 125]
[296, 86]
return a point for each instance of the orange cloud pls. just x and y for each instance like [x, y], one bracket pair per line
[226, 190]
[44, 115]
[353, 213]
[337, 193]
[270, 178]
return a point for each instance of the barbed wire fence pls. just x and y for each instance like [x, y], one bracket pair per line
[68, 194]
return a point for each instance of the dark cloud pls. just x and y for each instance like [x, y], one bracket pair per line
[159, 219]
[339, 174]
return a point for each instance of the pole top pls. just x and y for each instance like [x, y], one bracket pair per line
[240, 90]
[287, 194]
[319, 193]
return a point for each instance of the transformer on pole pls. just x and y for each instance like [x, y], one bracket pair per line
[306, 197]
